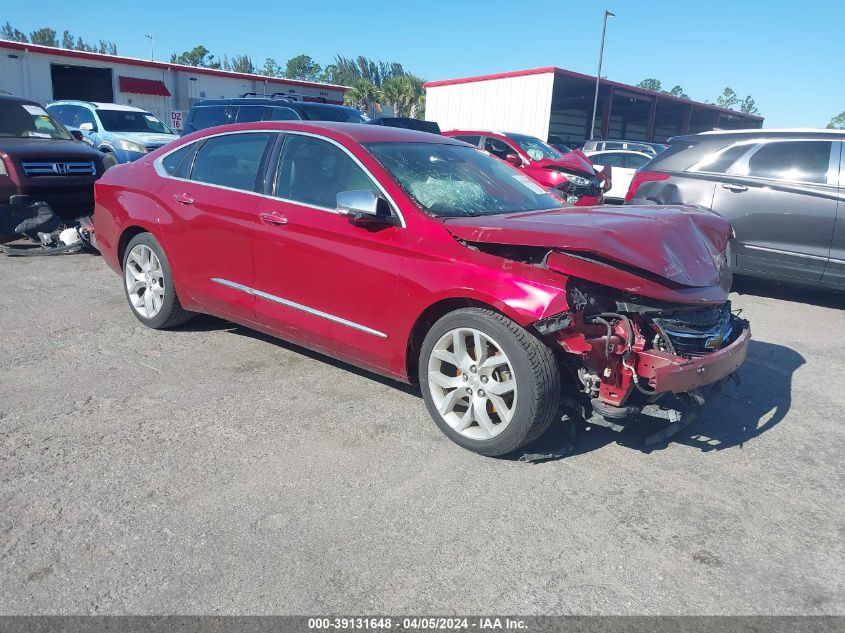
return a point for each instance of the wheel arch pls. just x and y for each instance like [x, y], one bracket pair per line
[126, 236]
[429, 317]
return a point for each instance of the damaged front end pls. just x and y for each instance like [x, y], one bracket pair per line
[632, 355]
[648, 328]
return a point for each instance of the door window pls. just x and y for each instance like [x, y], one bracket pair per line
[314, 171]
[248, 114]
[794, 161]
[498, 147]
[231, 160]
[635, 161]
[613, 159]
[281, 114]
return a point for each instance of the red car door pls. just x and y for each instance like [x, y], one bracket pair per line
[319, 277]
[211, 238]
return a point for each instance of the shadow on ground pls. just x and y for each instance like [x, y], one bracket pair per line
[821, 297]
[735, 416]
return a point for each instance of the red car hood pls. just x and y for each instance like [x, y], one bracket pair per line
[682, 244]
[574, 160]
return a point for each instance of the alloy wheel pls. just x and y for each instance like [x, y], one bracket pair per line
[472, 383]
[144, 281]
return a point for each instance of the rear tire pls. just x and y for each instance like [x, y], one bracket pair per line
[148, 284]
[490, 385]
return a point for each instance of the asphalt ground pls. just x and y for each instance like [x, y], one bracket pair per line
[213, 470]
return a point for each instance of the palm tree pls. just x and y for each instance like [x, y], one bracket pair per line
[361, 95]
[405, 94]
[391, 93]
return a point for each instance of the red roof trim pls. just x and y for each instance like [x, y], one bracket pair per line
[132, 61]
[592, 78]
[139, 86]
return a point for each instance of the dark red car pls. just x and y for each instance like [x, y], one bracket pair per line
[423, 259]
[569, 175]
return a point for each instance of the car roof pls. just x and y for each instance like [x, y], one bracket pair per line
[356, 132]
[714, 135]
[17, 99]
[597, 152]
[99, 105]
[277, 101]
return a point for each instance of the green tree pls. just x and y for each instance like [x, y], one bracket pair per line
[727, 99]
[67, 40]
[197, 56]
[271, 68]
[677, 91]
[8, 32]
[302, 67]
[44, 37]
[837, 122]
[404, 93]
[748, 106]
[243, 64]
[651, 84]
[361, 95]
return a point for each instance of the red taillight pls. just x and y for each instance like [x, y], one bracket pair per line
[639, 178]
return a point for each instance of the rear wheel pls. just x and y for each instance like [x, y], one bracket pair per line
[490, 385]
[148, 283]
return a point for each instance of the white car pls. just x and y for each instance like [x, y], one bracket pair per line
[624, 164]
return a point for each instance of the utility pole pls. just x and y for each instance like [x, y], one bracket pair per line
[152, 46]
[598, 74]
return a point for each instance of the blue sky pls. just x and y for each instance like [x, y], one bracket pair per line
[787, 55]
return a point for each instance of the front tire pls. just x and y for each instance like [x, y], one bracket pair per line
[490, 385]
[148, 284]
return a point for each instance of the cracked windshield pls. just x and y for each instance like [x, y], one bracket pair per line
[454, 181]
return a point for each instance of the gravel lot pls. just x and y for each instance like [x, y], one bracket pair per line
[212, 470]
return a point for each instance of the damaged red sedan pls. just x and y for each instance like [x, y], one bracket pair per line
[427, 260]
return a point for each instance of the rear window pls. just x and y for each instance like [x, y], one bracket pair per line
[231, 160]
[337, 114]
[472, 140]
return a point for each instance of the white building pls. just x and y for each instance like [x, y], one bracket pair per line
[44, 74]
[551, 101]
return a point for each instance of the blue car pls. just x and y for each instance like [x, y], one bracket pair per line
[124, 133]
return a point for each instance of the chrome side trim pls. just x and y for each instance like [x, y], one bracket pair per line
[297, 306]
[780, 252]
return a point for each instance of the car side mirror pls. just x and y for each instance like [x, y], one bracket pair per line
[514, 160]
[87, 127]
[77, 135]
[363, 207]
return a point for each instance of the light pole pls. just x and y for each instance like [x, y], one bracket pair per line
[152, 46]
[598, 74]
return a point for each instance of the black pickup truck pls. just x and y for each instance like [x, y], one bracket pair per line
[40, 161]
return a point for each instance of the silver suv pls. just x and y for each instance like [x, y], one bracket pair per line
[783, 191]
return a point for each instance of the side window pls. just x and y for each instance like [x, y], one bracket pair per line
[84, 115]
[472, 140]
[231, 160]
[276, 113]
[795, 161]
[176, 164]
[209, 116]
[497, 147]
[635, 161]
[248, 114]
[720, 163]
[314, 171]
[614, 159]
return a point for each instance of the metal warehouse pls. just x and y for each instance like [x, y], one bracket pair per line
[44, 74]
[553, 101]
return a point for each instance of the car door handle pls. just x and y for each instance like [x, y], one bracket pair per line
[734, 187]
[273, 217]
[183, 198]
